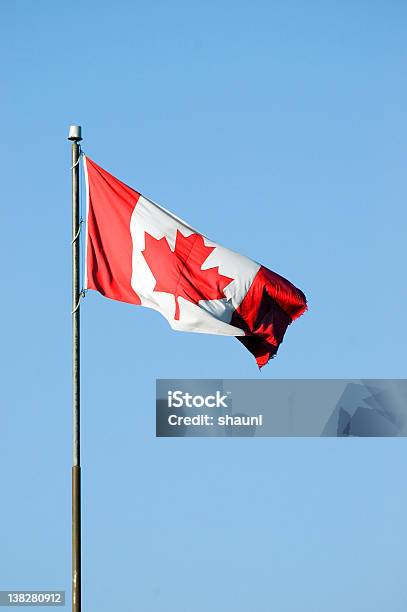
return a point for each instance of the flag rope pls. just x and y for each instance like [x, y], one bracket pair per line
[78, 232]
[79, 157]
[82, 295]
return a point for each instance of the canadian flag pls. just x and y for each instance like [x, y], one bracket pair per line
[138, 252]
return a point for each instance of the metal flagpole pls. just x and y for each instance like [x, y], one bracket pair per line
[75, 136]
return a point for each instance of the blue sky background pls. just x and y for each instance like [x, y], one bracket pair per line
[277, 129]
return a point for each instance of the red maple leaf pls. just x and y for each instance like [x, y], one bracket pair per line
[179, 272]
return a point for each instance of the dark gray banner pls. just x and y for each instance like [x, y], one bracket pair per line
[248, 408]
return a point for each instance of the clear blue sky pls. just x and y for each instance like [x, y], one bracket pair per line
[279, 130]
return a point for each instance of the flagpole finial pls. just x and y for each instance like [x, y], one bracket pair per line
[75, 133]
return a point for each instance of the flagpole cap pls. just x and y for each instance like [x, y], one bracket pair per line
[75, 132]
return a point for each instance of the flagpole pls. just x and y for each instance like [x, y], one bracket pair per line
[75, 136]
